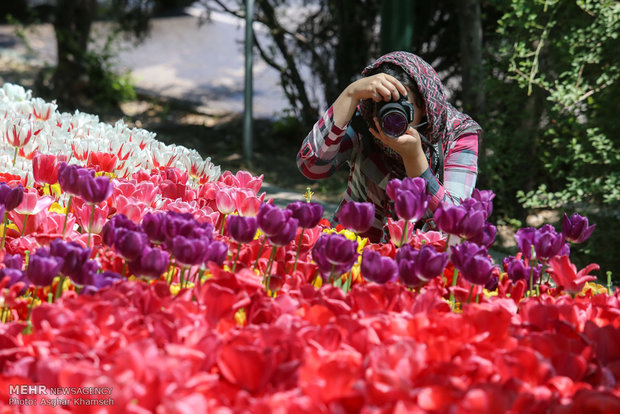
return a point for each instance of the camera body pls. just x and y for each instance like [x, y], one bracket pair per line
[395, 116]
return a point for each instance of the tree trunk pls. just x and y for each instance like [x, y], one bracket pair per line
[470, 28]
[72, 23]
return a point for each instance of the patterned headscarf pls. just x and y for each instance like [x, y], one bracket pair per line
[445, 122]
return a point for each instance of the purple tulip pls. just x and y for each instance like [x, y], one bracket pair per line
[152, 263]
[70, 177]
[272, 219]
[178, 224]
[548, 243]
[409, 205]
[287, 234]
[189, 252]
[119, 221]
[242, 229]
[94, 190]
[153, 225]
[73, 254]
[357, 217]
[492, 284]
[486, 236]
[486, 198]
[517, 270]
[448, 217]
[341, 251]
[129, 244]
[416, 185]
[11, 197]
[419, 266]
[525, 240]
[308, 214]
[319, 255]
[576, 228]
[216, 252]
[42, 267]
[14, 261]
[202, 231]
[99, 281]
[473, 262]
[377, 268]
[14, 275]
[86, 274]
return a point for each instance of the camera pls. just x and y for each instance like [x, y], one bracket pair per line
[395, 116]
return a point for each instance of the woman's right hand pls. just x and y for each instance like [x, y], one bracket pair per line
[379, 87]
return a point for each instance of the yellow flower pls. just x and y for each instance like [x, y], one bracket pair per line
[594, 287]
[57, 208]
[240, 317]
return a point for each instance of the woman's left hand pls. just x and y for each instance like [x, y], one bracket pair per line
[408, 145]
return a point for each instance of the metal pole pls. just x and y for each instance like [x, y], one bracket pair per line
[247, 113]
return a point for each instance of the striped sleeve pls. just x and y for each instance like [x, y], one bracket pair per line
[460, 173]
[325, 147]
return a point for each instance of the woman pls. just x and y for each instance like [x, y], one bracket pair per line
[440, 144]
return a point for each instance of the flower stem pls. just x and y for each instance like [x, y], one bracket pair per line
[61, 281]
[182, 278]
[301, 235]
[223, 223]
[15, 156]
[90, 225]
[236, 257]
[471, 290]
[262, 246]
[24, 224]
[4, 224]
[64, 226]
[403, 238]
[454, 279]
[267, 276]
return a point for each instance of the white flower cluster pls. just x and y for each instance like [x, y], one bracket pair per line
[31, 124]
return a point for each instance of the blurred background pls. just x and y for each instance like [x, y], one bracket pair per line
[540, 76]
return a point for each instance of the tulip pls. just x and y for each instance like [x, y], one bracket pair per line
[242, 229]
[216, 252]
[525, 240]
[286, 235]
[178, 224]
[410, 206]
[86, 275]
[397, 231]
[357, 217]
[99, 281]
[486, 198]
[151, 263]
[308, 214]
[416, 185]
[548, 243]
[45, 168]
[272, 219]
[565, 274]
[130, 244]
[94, 190]
[42, 267]
[71, 176]
[152, 225]
[18, 133]
[13, 261]
[11, 197]
[486, 236]
[326, 268]
[73, 254]
[473, 262]
[43, 110]
[518, 270]
[119, 221]
[576, 228]
[31, 205]
[449, 217]
[14, 275]
[188, 251]
[340, 251]
[378, 268]
[419, 266]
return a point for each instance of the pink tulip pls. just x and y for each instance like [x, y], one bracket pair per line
[32, 203]
[45, 168]
[83, 213]
[395, 229]
[225, 202]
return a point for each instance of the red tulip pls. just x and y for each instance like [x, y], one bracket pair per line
[565, 274]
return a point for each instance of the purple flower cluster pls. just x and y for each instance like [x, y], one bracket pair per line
[469, 219]
[473, 262]
[81, 182]
[277, 224]
[409, 197]
[357, 217]
[416, 267]
[334, 254]
[545, 242]
[68, 259]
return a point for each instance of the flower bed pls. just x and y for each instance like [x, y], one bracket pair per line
[136, 277]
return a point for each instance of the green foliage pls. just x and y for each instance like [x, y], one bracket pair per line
[564, 52]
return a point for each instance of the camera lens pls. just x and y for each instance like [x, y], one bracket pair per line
[394, 124]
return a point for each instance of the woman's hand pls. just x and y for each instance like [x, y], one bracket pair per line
[379, 87]
[408, 146]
